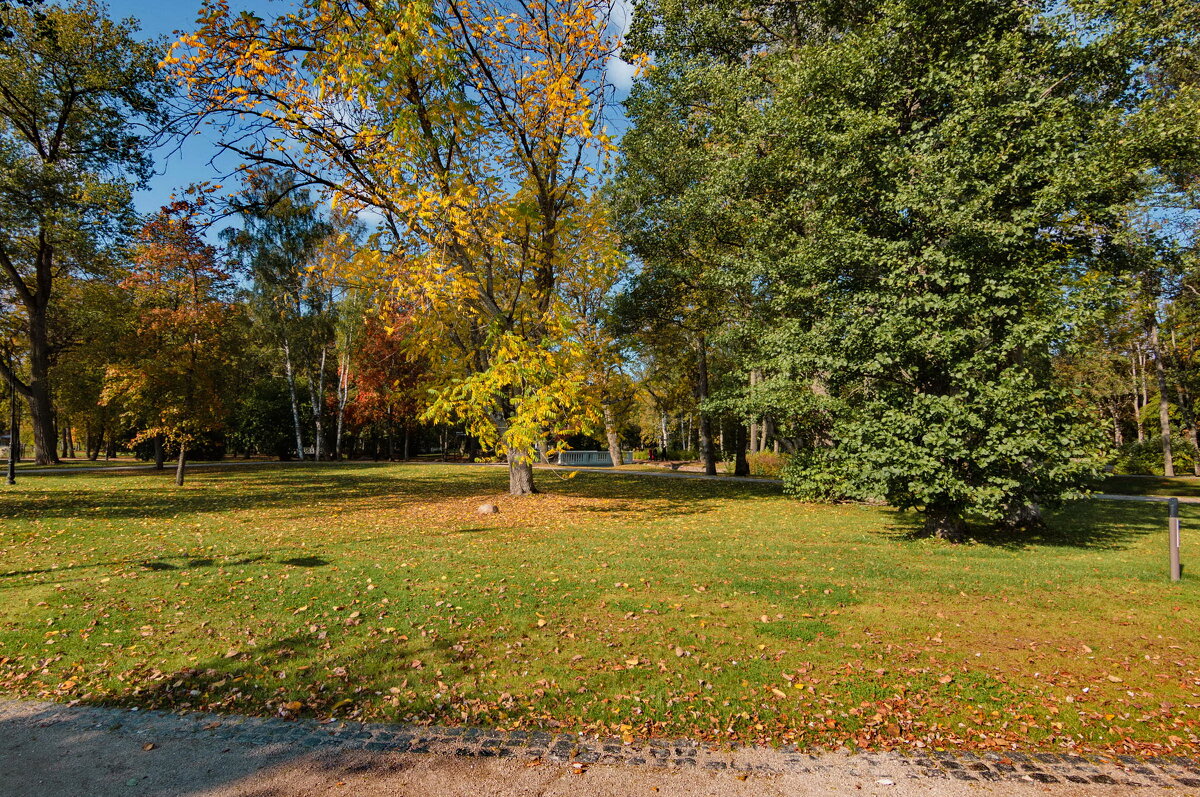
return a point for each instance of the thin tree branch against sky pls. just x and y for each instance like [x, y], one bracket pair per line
[174, 170]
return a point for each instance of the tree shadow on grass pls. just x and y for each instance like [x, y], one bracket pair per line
[162, 563]
[1089, 524]
[128, 495]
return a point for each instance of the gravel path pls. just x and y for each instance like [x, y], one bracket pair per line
[48, 750]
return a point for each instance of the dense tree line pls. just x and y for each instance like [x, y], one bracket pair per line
[936, 254]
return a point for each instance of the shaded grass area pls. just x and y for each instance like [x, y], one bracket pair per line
[1152, 485]
[615, 604]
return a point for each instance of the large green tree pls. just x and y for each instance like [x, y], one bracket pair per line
[910, 190]
[75, 91]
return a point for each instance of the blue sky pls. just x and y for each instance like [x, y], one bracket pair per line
[190, 164]
[162, 18]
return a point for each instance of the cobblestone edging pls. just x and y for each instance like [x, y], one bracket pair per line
[307, 735]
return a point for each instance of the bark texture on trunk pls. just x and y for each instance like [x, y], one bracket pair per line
[180, 465]
[610, 432]
[520, 474]
[160, 455]
[41, 413]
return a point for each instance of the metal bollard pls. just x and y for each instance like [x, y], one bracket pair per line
[1173, 525]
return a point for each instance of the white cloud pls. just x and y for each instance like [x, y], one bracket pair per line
[619, 73]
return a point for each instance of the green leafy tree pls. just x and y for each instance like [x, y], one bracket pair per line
[74, 87]
[913, 188]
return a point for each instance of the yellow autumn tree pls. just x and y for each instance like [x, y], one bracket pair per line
[472, 130]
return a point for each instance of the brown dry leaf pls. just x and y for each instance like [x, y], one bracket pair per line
[148, 746]
[945, 679]
[632, 661]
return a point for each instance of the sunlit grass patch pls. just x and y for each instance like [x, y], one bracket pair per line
[613, 604]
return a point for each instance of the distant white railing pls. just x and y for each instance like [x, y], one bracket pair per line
[592, 459]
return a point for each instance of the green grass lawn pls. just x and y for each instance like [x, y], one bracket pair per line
[612, 604]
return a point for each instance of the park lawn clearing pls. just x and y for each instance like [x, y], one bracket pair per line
[629, 606]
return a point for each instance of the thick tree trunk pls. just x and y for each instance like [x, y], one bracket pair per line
[180, 464]
[41, 416]
[41, 405]
[407, 441]
[740, 466]
[1023, 517]
[520, 473]
[945, 523]
[1164, 414]
[160, 455]
[610, 432]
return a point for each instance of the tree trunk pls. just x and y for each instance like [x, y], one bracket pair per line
[291, 380]
[1164, 414]
[520, 473]
[610, 432]
[94, 454]
[391, 437]
[316, 396]
[1023, 517]
[706, 442]
[14, 438]
[160, 456]
[41, 406]
[753, 424]
[662, 432]
[1118, 435]
[945, 523]
[181, 464]
[740, 466]
[41, 415]
[1137, 404]
[343, 394]
[407, 440]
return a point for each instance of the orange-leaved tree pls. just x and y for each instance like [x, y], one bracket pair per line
[174, 374]
[471, 130]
